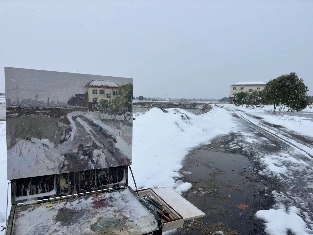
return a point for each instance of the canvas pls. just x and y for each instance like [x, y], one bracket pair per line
[61, 122]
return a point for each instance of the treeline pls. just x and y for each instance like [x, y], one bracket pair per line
[285, 91]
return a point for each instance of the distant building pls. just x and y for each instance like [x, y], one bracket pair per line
[101, 90]
[246, 87]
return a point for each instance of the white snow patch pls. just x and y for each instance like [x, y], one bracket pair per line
[274, 165]
[37, 157]
[182, 187]
[73, 126]
[278, 221]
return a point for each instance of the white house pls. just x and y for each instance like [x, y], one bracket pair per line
[246, 87]
[101, 90]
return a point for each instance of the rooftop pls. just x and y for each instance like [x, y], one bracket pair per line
[101, 83]
[250, 83]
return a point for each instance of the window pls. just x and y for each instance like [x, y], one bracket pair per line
[258, 88]
[94, 91]
[108, 96]
[234, 88]
[241, 88]
[101, 92]
[250, 90]
[114, 92]
[94, 100]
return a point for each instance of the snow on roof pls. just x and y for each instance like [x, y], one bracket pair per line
[250, 83]
[103, 83]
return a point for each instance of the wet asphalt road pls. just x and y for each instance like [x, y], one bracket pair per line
[227, 186]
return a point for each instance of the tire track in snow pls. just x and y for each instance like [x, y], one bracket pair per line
[282, 132]
[270, 132]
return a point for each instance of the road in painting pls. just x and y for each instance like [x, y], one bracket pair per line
[65, 122]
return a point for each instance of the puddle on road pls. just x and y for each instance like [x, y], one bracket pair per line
[226, 188]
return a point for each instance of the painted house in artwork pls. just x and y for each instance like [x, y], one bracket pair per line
[245, 87]
[101, 90]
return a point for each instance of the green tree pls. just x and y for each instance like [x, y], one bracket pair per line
[240, 98]
[103, 105]
[140, 97]
[122, 103]
[287, 90]
[254, 98]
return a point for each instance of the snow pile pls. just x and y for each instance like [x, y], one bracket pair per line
[279, 221]
[33, 158]
[162, 140]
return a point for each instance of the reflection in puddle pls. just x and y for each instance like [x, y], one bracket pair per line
[227, 188]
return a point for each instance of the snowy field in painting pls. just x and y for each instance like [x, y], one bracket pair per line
[162, 140]
[101, 142]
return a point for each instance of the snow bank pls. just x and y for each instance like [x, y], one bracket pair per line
[162, 140]
[73, 126]
[44, 160]
[279, 221]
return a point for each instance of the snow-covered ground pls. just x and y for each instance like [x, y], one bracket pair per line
[162, 140]
[169, 136]
[293, 208]
[300, 122]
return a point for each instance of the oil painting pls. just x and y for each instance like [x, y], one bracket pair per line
[60, 122]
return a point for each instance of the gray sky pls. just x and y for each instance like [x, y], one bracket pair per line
[171, 48]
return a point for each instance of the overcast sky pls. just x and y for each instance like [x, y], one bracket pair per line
[171, 48]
